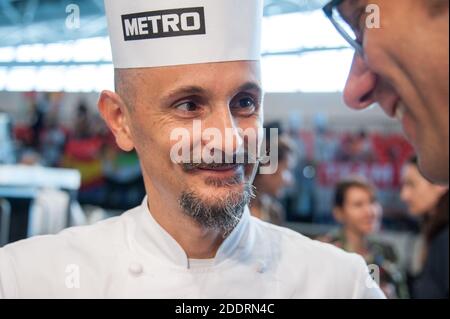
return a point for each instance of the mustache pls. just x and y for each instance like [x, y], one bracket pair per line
[223, 161]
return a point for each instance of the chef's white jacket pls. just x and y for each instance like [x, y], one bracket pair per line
[132, 256]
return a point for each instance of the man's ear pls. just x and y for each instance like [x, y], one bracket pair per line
[113, 111]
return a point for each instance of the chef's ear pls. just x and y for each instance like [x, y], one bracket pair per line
[114, 111]
[338, 215]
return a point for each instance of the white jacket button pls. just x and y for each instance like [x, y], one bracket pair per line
[261, 267]
[136, 269]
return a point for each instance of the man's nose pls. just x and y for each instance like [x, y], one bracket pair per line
[231, 141]
[360, 86]
[404, 195]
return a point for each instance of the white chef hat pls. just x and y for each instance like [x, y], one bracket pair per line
[153, 33]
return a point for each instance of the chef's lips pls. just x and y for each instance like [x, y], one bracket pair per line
[225, 162]
[246, 160]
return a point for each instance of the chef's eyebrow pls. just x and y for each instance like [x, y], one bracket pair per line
[192, 90]
[250, 86]
[184, 91]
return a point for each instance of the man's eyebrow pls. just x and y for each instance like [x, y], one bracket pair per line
[250, 86]
[197, 90]
[184, 90]
[349, 4]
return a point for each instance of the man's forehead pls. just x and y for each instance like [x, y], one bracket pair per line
[196, 67]
[204, 71]
[193, 78]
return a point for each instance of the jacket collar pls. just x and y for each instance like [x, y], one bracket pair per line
[154, 239]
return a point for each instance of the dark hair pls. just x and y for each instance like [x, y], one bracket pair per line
[82, 108]
[343, 187]
[286, 150]
[286, 146]
[438, 219]
[413, 161]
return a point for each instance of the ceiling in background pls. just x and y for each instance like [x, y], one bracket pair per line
[38, 52]
[44, 21]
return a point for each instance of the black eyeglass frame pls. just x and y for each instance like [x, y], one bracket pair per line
[328, 10]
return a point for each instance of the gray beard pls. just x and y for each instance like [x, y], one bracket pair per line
[224, 215]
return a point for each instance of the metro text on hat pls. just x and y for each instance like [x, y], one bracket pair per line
[163, 24]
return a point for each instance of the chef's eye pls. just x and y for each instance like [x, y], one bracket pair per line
[246, 102]
[245, 105]
[187, 107]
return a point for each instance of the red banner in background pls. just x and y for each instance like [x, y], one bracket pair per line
[384, 176]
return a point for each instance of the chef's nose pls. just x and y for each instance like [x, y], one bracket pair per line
[360, 86]
[231, 140]
[405, 194]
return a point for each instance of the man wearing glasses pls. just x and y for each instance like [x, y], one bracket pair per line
[176, 63]
[402, 64]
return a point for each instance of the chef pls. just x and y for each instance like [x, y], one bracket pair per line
[177, 63]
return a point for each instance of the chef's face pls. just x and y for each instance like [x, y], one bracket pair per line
[360, 213]
[163, 101]
[419, 194]
[405, 69]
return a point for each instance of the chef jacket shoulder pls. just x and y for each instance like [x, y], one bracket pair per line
[109, 254]
[317, 269]
[48, 261]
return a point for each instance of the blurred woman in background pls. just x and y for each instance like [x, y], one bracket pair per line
[270, 188]
[429, 203]
[356, 208]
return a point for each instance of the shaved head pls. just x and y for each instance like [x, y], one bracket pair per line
[123, 79]
[126, 82]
